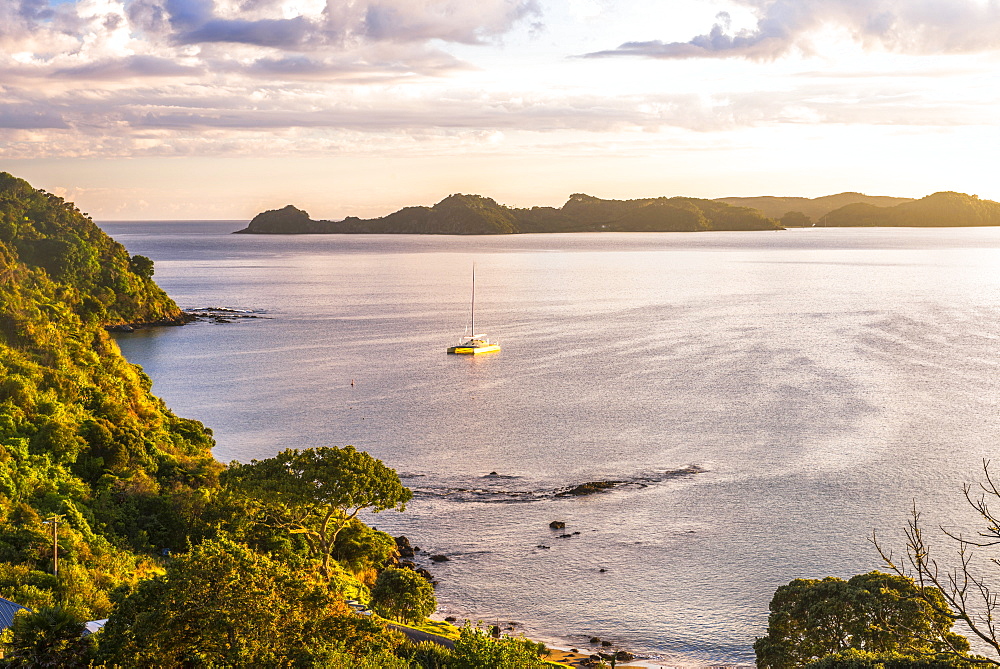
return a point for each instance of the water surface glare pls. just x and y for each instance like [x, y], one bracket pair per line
[820, 381]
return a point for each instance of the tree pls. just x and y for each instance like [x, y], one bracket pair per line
[403, 595]
[795, 219]
[317, 492]
[141, 266]
[966, 593]
[875, 612]
[859, 659]
[222, 604]
[361, 548]
[476, 649]
[49, 637]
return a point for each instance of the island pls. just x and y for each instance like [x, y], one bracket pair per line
[461, 214]
[477, 215]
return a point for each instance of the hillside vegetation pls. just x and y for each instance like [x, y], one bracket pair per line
[80, 433]
[946, 209]
[477, 215]
[811, 208]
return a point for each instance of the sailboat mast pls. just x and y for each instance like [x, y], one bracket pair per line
[473, 299]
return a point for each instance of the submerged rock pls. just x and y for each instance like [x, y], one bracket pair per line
[557, 525]
[590, 488]
[440, 558]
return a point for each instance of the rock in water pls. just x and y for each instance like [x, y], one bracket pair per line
[590, 488]
[403, 546]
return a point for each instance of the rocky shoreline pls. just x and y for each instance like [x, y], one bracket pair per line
[186, 316]
[601, 650]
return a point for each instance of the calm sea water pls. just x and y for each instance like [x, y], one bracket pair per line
[821, 381]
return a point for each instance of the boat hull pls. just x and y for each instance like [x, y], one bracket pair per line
[474, 350]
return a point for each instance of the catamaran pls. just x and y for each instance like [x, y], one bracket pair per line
[475, 343]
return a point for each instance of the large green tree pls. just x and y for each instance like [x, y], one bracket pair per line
[317, 492]
[404, 595]
[222, 604]
[49, 637]
[874, 612]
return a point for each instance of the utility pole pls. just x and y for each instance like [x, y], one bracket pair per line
[54, 521]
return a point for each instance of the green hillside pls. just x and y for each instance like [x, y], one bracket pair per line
[80, 433]
[945, 209]
[812, 208]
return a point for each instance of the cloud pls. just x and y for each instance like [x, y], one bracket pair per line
[929, 26]
[450, 20]
[29, 117]
[276, 33]
[124, 68]
[381, 66]
[340, 23]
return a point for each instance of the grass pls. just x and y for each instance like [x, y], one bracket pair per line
[439, 627]
[449, 631]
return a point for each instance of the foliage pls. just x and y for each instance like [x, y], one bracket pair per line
[860, 659]
[476, 649]
[222, 603]
[49, 637]
[361, 548]
[317, 492]
[80, 433]
[426, 655]
[874, 612]
[945, 209]
[795, 219]
[403, 595]
[478, 215]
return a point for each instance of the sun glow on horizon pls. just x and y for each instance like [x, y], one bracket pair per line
[224, 111]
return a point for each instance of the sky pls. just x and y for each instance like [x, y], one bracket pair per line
[220, 109]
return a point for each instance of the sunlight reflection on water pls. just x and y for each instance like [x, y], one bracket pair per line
[823, 378]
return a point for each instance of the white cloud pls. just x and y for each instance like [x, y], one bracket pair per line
[928, 26]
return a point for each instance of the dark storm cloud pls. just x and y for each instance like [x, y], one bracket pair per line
[930, 26]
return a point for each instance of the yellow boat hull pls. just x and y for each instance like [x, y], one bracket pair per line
[474, 350]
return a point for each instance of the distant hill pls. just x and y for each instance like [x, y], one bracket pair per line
[813, 208]
[946, 209]
[477, 215]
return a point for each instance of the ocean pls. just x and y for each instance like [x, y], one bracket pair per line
[765, 401]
